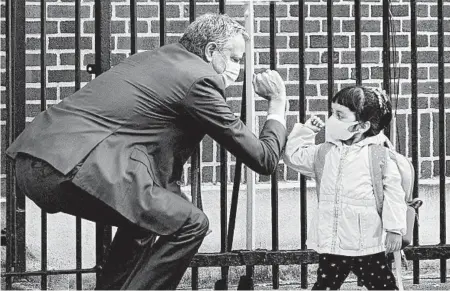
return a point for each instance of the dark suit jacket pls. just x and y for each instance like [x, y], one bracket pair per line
[136, 125]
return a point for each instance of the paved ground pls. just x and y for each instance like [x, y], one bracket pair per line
[62, 247]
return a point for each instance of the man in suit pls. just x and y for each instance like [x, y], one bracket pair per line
[114, 151]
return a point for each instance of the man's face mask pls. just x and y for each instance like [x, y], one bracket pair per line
[230, 71]
[339, 130]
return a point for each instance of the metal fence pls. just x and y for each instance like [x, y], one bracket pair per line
[15, 105]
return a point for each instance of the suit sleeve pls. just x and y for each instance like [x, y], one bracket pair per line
[207, 107]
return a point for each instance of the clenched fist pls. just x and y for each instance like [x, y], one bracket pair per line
[269, 85]
[315, 124]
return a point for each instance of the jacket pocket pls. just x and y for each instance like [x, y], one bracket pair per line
[372, 231]
[349, 231]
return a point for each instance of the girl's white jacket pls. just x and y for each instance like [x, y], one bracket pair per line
[347, 222]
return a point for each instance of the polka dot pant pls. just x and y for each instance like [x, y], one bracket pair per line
[372, 270]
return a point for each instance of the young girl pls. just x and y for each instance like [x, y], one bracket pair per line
[347, 231]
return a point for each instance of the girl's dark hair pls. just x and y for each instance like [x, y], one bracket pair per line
[369, 104]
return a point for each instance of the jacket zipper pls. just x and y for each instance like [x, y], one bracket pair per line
[337, 198]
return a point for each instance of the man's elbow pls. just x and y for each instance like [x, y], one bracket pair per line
[269, 167]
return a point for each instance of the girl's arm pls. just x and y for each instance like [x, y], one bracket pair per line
[301, 150]
[394, 205]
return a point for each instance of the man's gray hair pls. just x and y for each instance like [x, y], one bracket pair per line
[218, 28]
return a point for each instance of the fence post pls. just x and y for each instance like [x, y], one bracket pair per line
[15, 104]
[442, 133]
[302, 117]
[102, 64]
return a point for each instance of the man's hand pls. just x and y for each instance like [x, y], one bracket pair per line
[269, 85]
[393, 242]
[315, 124]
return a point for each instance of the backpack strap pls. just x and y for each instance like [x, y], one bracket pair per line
[377, 162]
[319, 164]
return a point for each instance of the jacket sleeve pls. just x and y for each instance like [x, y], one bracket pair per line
[301, 150]
[205, 104]
[394, 205]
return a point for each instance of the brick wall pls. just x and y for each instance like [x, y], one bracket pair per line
[60, 60]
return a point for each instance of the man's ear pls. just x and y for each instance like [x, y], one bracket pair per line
[209, 50]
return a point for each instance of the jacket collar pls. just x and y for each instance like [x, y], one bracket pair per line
[379, 139]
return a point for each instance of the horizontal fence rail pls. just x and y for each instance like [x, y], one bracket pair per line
[227, 257]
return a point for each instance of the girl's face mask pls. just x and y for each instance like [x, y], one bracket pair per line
[339, 130]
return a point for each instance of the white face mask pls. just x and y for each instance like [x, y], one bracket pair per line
[336, 130]
[230, 72]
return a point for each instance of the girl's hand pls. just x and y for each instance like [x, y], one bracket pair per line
[315, 124]
[393, 242]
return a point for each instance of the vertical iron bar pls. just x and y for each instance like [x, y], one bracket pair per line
[78, 249]
[194, 275]
[19, 121]
[414, 111]
[43, 107]
[386, 54]
[274, 176]
[237, 176]
[10, 128]
[195, 185]
[192, 10]
[302, 117]
[162, 22]
[102, 64]
[221, 6]
[330, 33]
[223, 191]
[195, 167]
[358, 42]
[442, 154]
[133, 31]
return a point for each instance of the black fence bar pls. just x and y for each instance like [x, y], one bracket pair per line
[274, 176]
[102, 64]
[293, 257]
[195, 167]
[162, 22]
[15, 106]
[263, 258]
[414, 113]
[358, 58]
[43, 107]
[10, 201]
[18, 106]
[195, 188]
[223, 192]
[78, 228]
[302, 118]
[194, 278]
[133, 30]
[442, 154]
[49, 272]
[386, 53]
[330, 53]
[221, 6]
[237, 176]
[192, 10]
